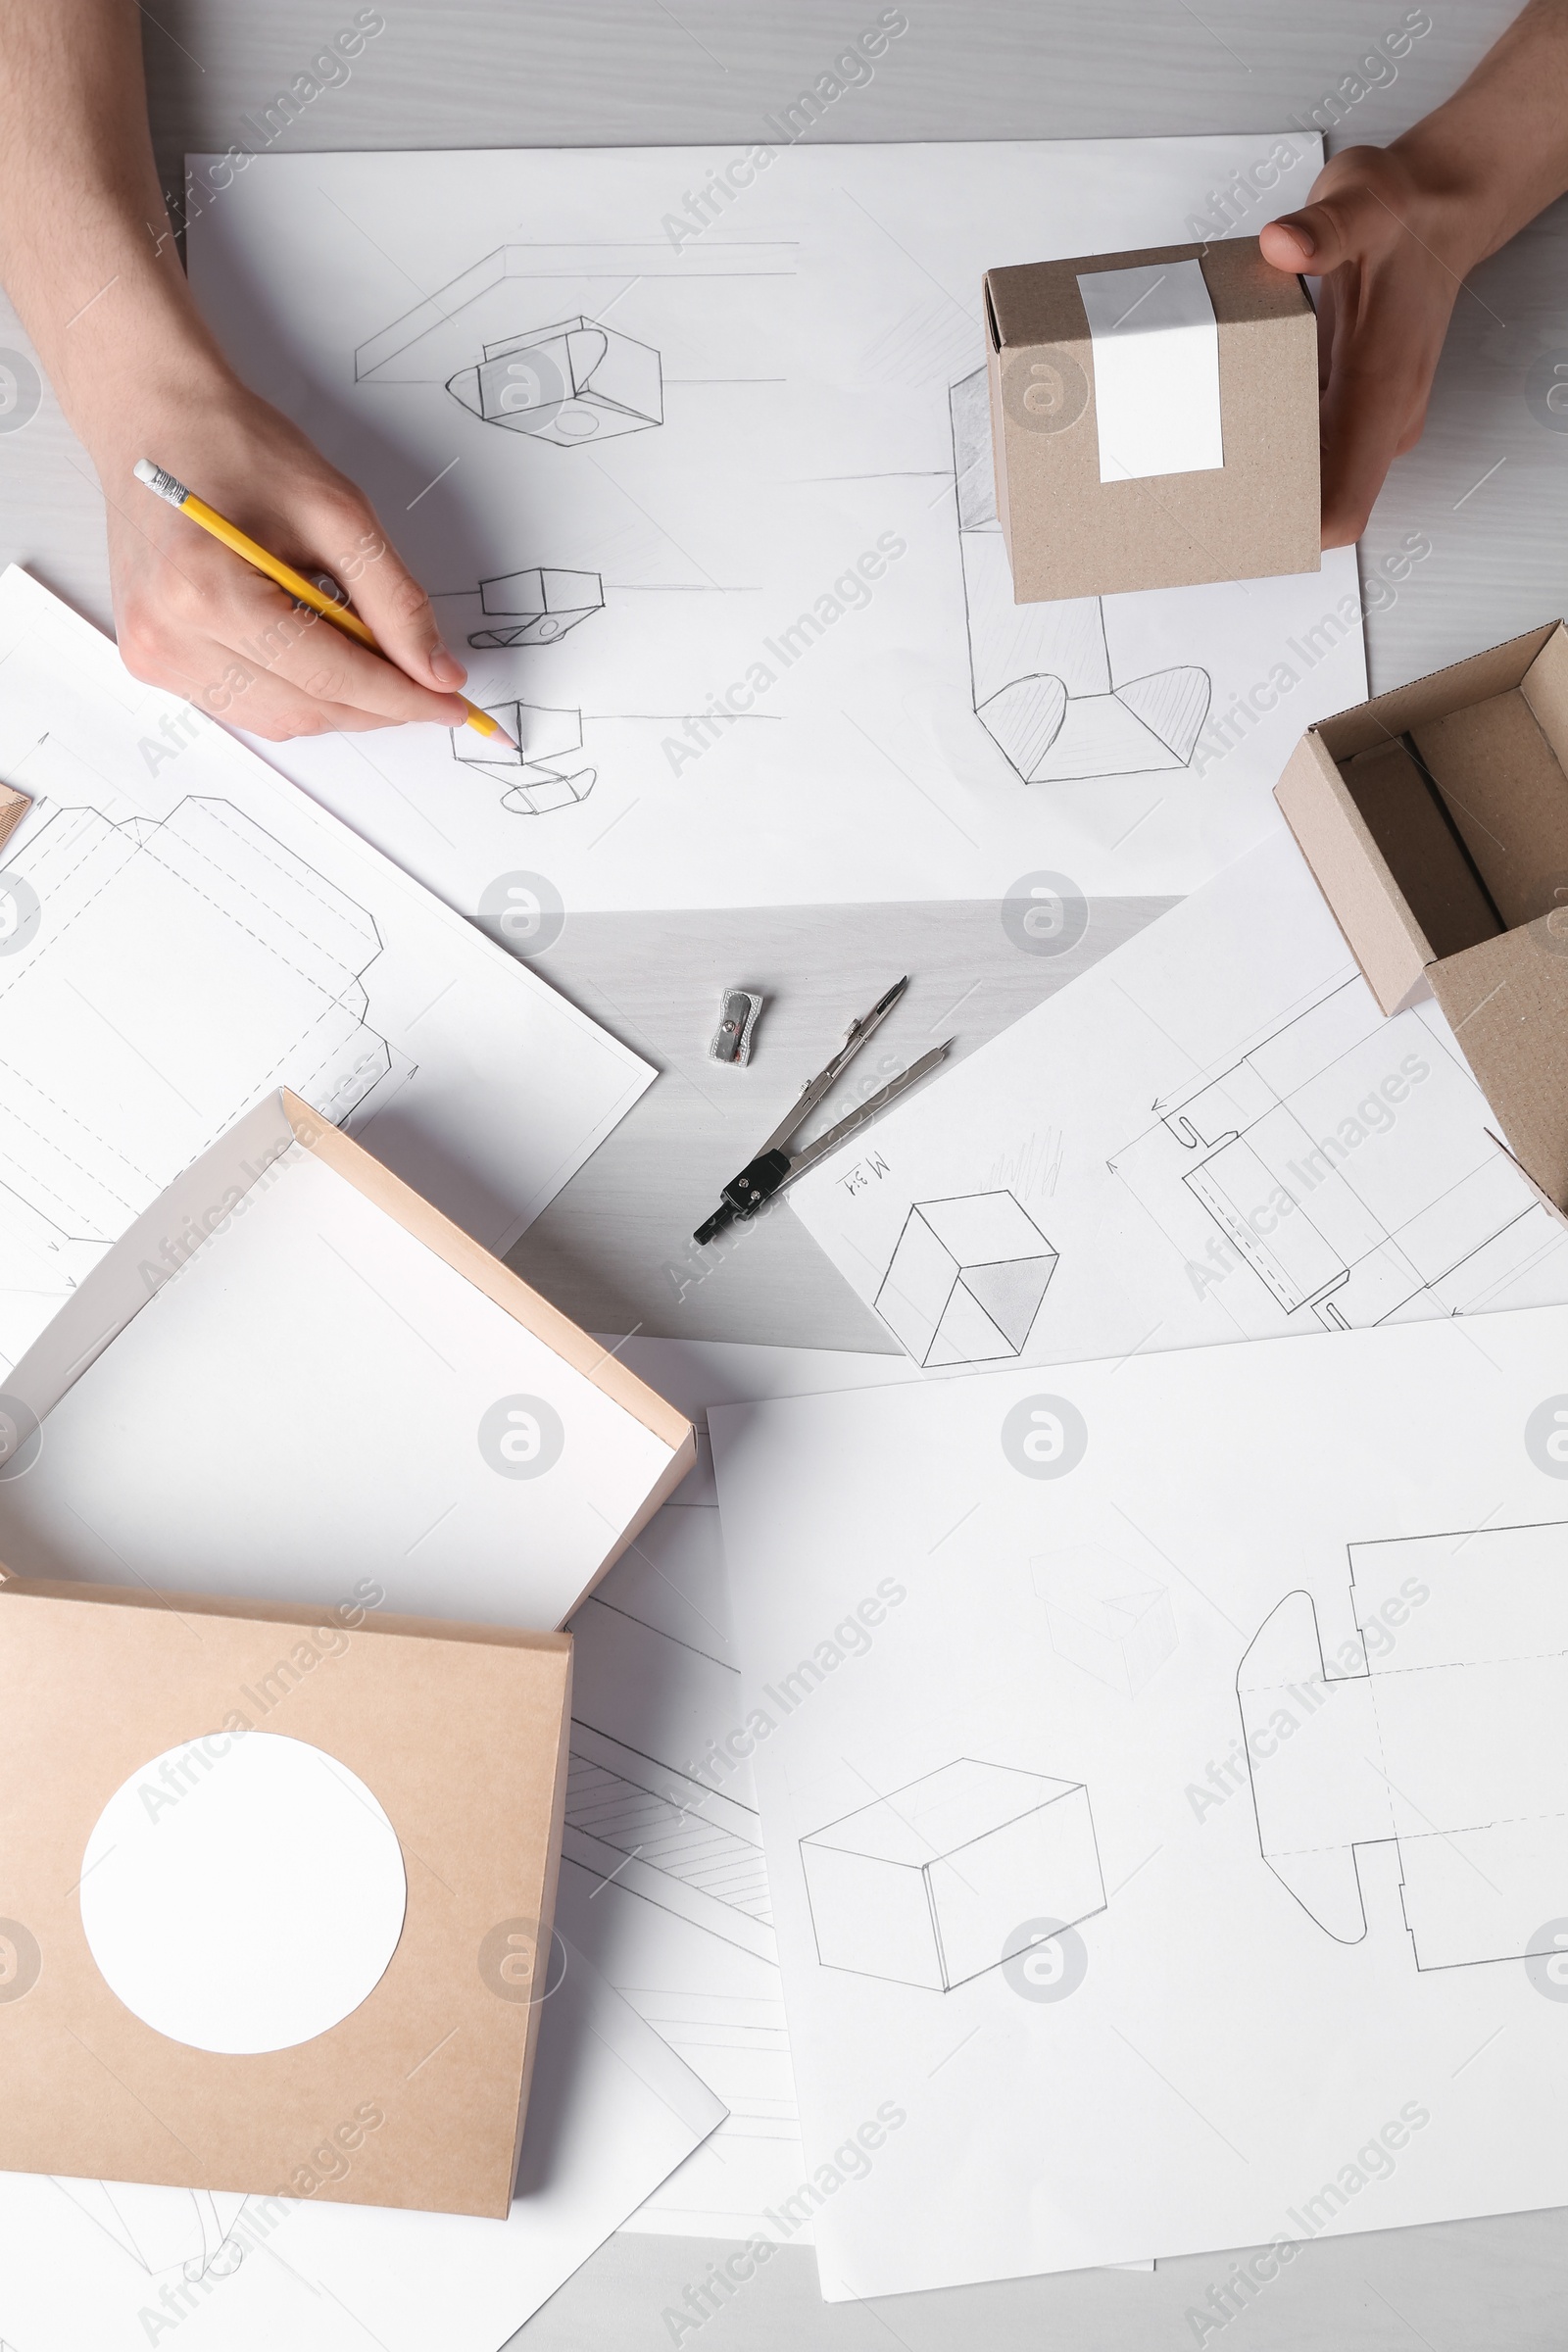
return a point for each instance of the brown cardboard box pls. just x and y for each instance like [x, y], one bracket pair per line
[356, 1340]
[1434, 820]
[1069, 532]
[415, 2098]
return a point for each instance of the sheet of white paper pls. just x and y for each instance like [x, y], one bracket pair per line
[613, 2110]
[324, 1397]
[1156, 370]
[709, 508]
[1104, 1955]
[181, 932]
[665, 1885]
[1212, 1134]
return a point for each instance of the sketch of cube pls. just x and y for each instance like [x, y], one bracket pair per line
[966, 1279]
[1112, 1620]
[573, 381]
[540, 606]
[926, 1886]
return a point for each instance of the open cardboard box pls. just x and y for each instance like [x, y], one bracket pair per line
[293, 1379]
[293, 1949]
[1163, 433]
[1434, 820]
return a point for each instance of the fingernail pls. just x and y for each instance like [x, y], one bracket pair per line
[450, 672]
[1302, 234]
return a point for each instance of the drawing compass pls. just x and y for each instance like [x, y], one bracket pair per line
[775, 1164]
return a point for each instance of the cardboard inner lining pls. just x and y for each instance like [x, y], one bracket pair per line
[1469, 810]
[1414, 830]
[1503, 782]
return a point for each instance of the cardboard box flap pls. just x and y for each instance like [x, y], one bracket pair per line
[1416, 831]
[1380, 927]
[156, 1245]
[13, 806]
[362, 1618]
[508, 1291]
[1545, 687]
[1505, 789]
[1474, 680]
[407, 1380]
[1506, 1001]
[1524, 1177]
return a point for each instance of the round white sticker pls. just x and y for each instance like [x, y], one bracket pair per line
[244, 1892]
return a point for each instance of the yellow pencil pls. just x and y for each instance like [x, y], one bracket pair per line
[304, 591]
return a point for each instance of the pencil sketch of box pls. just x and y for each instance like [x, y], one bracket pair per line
[541, 772]
[573, 381]
[537, 606]
[966, 1279]
[1044, 686]
[1447, 1746]
[1112, 1620]
[926, 1886]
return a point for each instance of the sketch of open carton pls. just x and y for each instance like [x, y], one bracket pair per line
[1044, 689]
[1450, 1744]
[537, 607]
[573, 381]
[543, 779]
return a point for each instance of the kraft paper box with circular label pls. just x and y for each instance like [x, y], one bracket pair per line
[292, 1378]
[1153, 419]
[275, 1894]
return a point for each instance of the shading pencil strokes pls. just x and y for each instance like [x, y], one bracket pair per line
[1042, 684]
[966, 1279]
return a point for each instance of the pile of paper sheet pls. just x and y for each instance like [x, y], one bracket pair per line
[1133, 1753]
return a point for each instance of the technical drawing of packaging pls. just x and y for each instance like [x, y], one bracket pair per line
[1112, 1620]
[1041, 673]
[924, 1887]
[1449, 1745]
[541, 605]
[966, 1279]
[573, 381]
[546, 740]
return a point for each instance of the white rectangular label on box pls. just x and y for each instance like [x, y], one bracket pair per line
[1156, 370]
